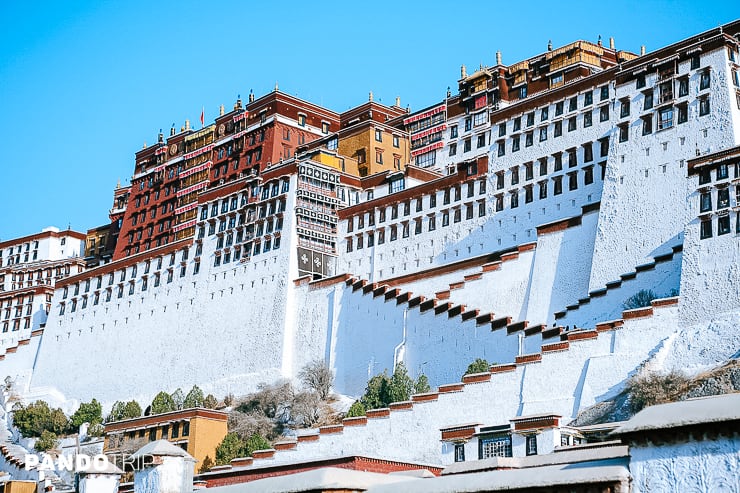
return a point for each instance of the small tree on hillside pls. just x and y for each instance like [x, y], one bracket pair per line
[163, 403]
[356, 409]
[194, 398]
[88, 412]
[317, 376]
[377, 392]
[401, 385]
[422, 385]
[178, 398]
[210, 402]
[480, 365]
[256, 442]
[46, 442]
[229, 448]
[38, 417]
[206, 465]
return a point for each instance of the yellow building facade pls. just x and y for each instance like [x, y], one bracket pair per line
[198, 431]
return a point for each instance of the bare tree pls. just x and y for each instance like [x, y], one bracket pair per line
[306, 409]
[318, 377]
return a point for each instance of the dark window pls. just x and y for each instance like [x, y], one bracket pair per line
[704, 80]
[571, 124]
[501, 129]
[573, 181]
[624, 133]
[573, 103]
[705, 176]
[624, 110]
[723, 198]
[723, 224]
[558, 130]
[647, 124]
[587, 119]
[706, 229]
[588, 98]
[703, 106]
[640, 82]
[683, 113]
[517, 124]
[588, 177]
[529, 139]
[558, 187]
[588, 153]
[532, 445]
[515, 144]
[604, 113]
[648, 100]
[559, 108]
[695, 62]
[459, 452]
[604, 93]
[528, 194]
[530, 119]
[514, 199]
[722, 172]
[543, 189]
[683, 86]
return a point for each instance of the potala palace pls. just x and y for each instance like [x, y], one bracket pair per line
[510, 221]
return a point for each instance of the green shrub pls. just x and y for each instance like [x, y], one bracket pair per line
[232, 447]
[480, 365]
[124, 410]
[163, 403]
[381, 389]
[38, 417]
[422, 385]
[194, 398]
[206, 465]
[210, 402]
[47, 441]
[355, 410]
[88, 412]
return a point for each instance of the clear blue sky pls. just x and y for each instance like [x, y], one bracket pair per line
[84, 83]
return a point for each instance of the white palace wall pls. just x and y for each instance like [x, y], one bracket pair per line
[563, 382]
[645, 186]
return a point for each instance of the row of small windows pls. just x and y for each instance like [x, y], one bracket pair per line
[116, 440]
[263, 245]
[26, 246]
[571, 156]
[663, 119]
[722, 172]
[405, 227]
[723, 226]
[447, 195]
[559, 109]
[17, 325]
[132, 271]
[557, 188]
[723, 199]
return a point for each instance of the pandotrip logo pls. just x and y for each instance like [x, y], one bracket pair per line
[77, 463]
[98, 463]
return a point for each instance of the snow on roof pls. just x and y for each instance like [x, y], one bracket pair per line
[701, 410]
[325, 478]
[160, 448]
[605, 471]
